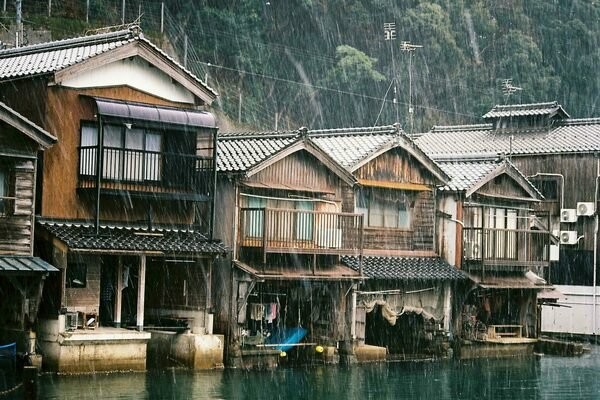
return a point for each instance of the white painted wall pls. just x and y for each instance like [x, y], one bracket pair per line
[577, 315]
[136, 73]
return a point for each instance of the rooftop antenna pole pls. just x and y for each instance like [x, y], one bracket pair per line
[508, 89]
[389, 32]
[19, 22]
[410, 48]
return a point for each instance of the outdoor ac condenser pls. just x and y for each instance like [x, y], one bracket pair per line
[585, 209]
[568, 237]
[568, 215]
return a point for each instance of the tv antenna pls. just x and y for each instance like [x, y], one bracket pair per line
[508, 89]
[410, 48]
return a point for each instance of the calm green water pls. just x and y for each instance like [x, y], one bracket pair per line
[543, 377]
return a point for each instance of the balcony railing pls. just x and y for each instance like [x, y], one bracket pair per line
[301, 231]
[506, 247]
[142, 170]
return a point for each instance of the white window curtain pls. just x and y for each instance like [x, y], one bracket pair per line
[133, 157]
[255, 218]
[304, 220]
[89, 149]
[152, 156]
[113, 152]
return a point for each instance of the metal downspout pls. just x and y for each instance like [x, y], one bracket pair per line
[595, 246]
[99, 172]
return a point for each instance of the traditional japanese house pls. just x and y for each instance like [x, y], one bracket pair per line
[22, 275]
[286, 212]
[405, 306]
[559, 154]
[493, 235]
[125, 201]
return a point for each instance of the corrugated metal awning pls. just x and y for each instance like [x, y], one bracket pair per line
[20, 264]
[512, 281]
[153, 113]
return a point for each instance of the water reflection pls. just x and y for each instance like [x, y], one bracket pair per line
[542, 377]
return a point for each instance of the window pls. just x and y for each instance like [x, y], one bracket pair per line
[384, 208]
[304, 220]
[6, 190]
[76, 275]
[131, 154]
[255, 218]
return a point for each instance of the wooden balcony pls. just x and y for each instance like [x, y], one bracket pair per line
[505, 248]
[300, 231]
[146, 171]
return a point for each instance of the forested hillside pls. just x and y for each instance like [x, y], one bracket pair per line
[325, 63]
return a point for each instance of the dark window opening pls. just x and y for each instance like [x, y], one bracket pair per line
[76, 275]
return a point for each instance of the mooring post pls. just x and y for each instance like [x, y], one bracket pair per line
[30, 383]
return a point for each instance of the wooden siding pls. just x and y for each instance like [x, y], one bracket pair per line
[579, 171]
[503, 186]
[395, 166]
[65, 111]
[86, 299]
[418, 238]
[300, 170]
[16, 226]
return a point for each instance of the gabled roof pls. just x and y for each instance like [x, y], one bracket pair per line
[349, 147]
[471, 175]
[405, 268]
[521, 110]
[63, 58]
[355, 147]
[250, 154]
[25, 126]
[481, 140]
[81, 236]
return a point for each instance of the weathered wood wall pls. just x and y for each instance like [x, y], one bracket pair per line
[419, 238]
[86, 299]
[503, 185]
[395, 166]
[579, 171]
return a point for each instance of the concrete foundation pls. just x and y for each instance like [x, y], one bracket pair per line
[87, 351]
[523, 347]
[195, 351]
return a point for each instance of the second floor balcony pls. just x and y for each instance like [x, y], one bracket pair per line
[300, 231]
[500, 249]
[146, 171]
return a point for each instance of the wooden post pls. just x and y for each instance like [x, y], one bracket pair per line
[119, 293]
[141, 294]
[30, 383]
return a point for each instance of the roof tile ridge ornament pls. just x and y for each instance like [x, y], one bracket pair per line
[303, 133]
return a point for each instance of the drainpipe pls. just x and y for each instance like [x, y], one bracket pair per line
[99, 171]
[595, 245]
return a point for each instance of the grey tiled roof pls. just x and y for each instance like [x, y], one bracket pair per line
[569, 136]
[348, 147]
[518, 110]
[465, 174]
[53, 56]
[238, 153]
[21, 264]
[405, 268]
[82, 235]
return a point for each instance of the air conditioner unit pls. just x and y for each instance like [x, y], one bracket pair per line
[568, 215]
[568, 237]
[472, 250]
[585, 209]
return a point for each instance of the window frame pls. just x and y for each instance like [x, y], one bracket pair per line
[7, 193]
[75, 271]
[123, 155]
[390, 206]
